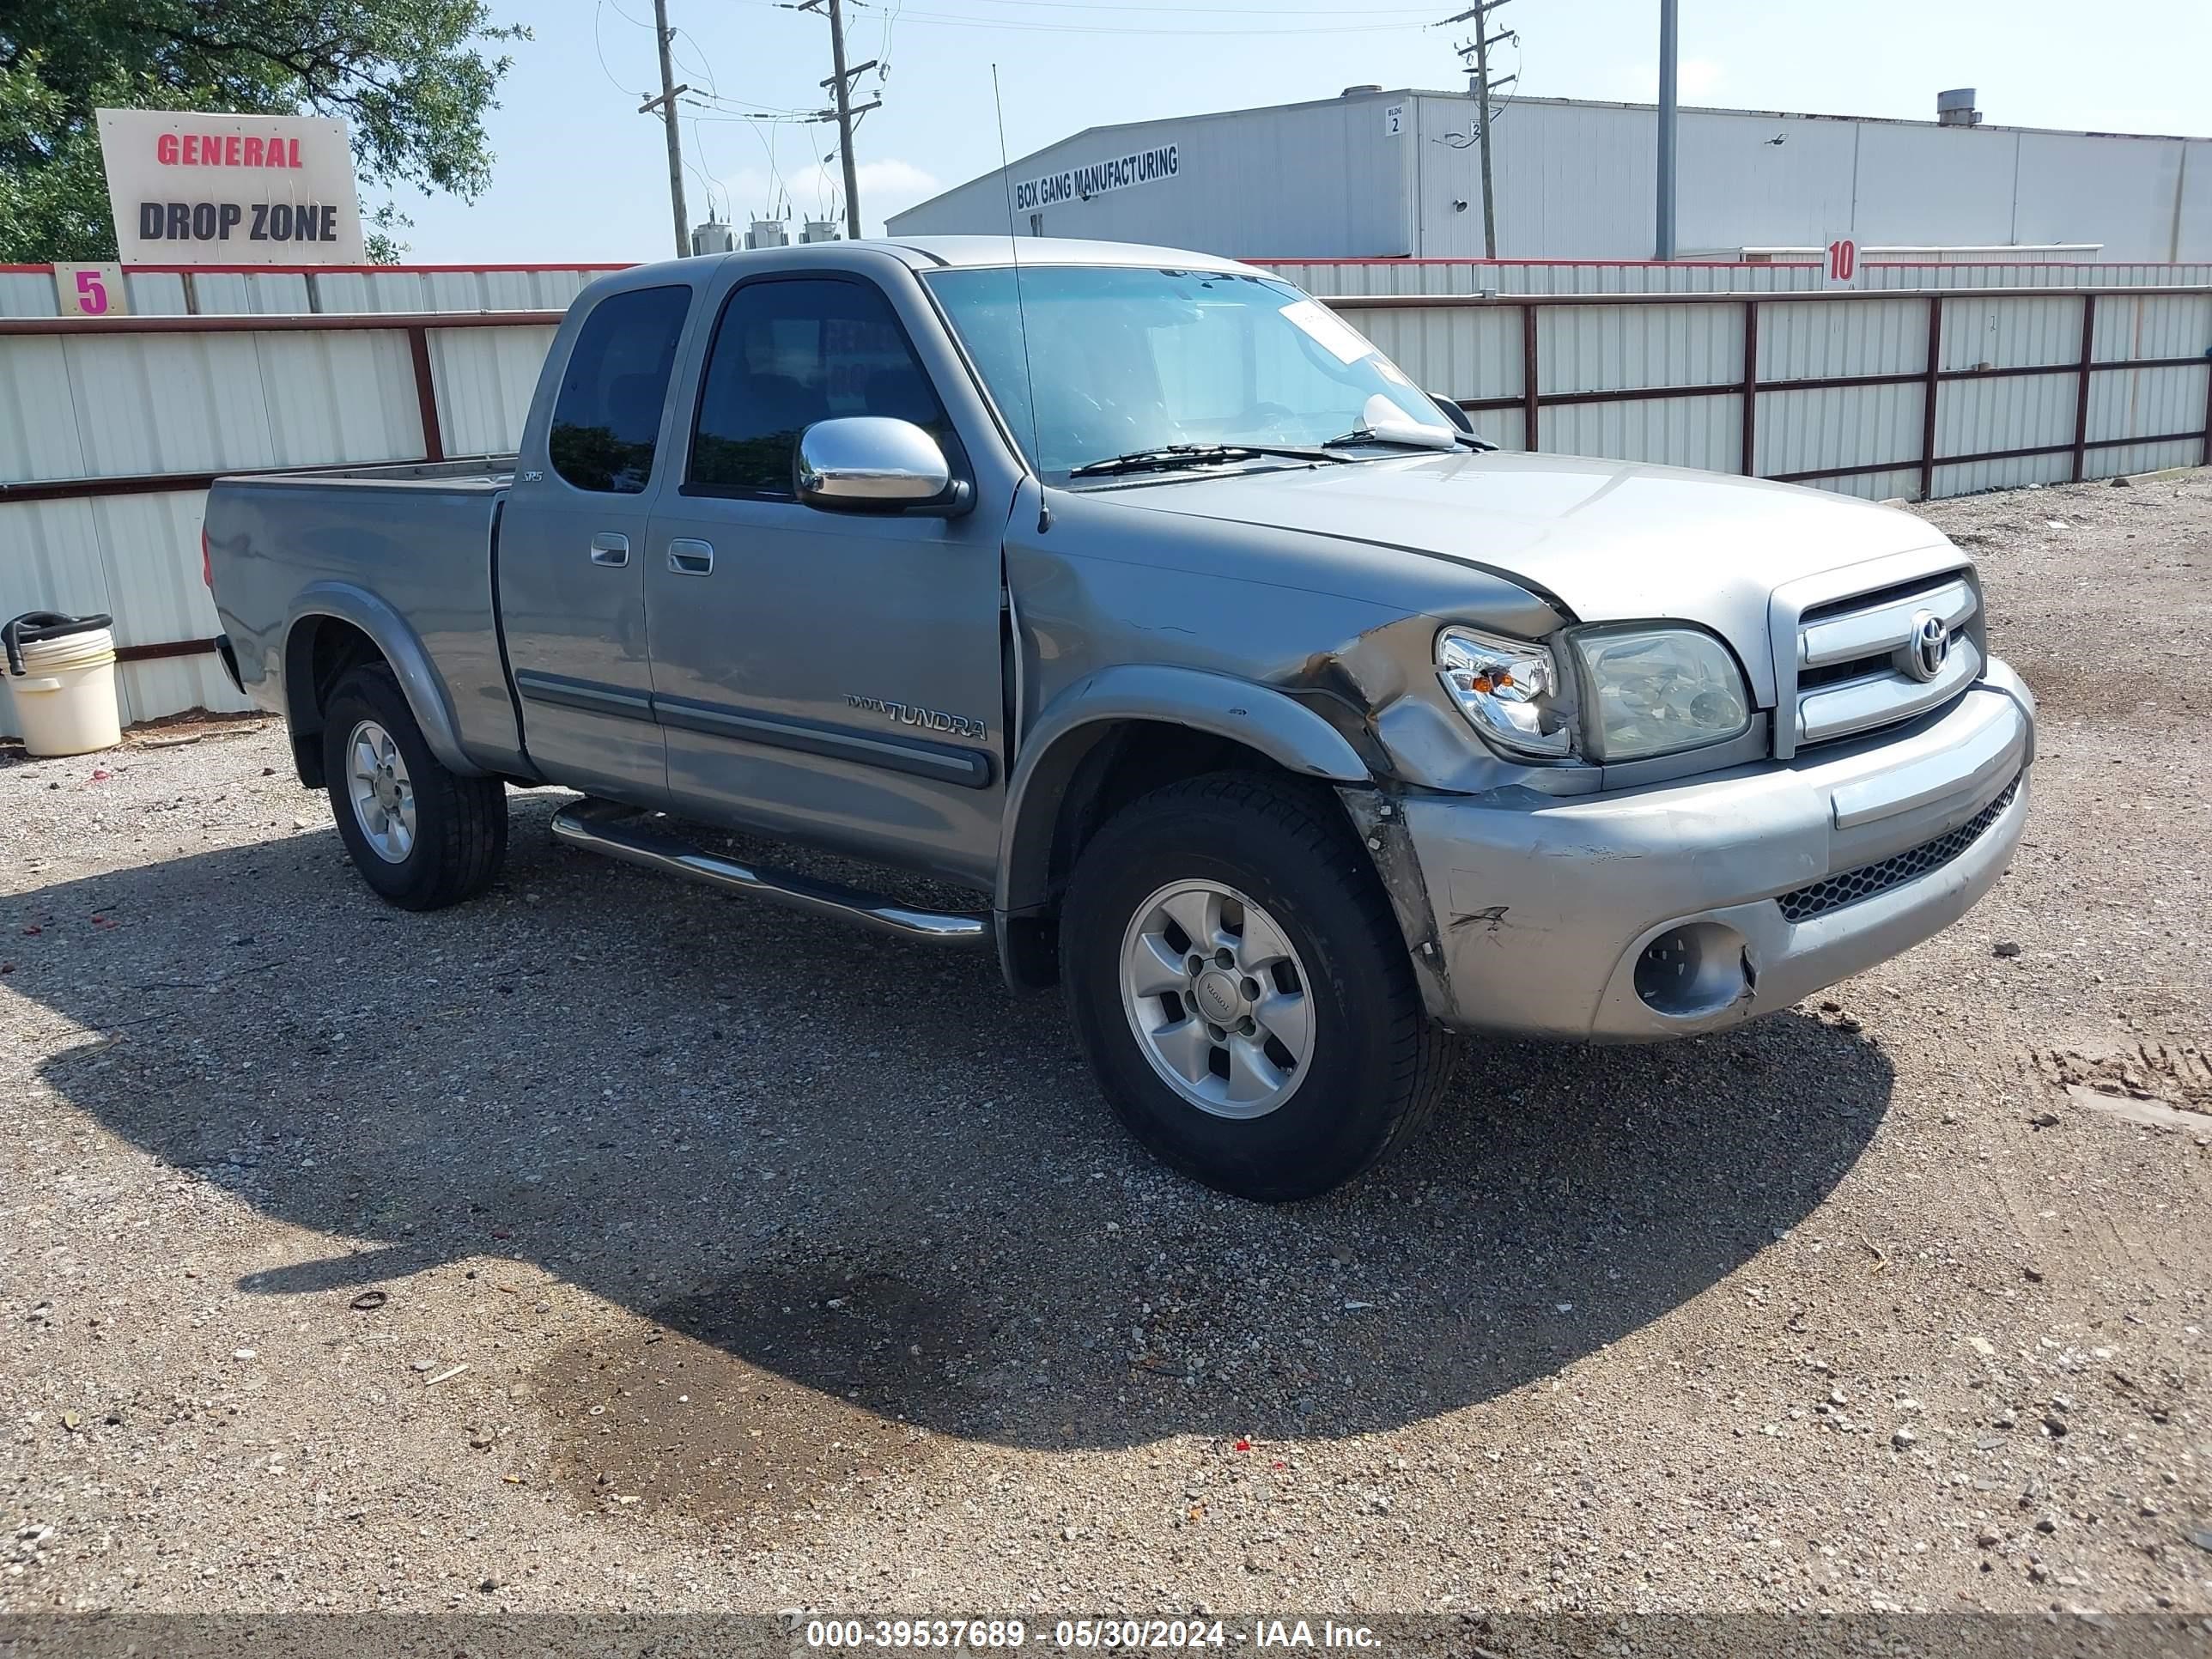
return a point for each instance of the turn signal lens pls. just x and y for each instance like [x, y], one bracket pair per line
[1509, 689]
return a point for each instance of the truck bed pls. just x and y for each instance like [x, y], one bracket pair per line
[417, 558]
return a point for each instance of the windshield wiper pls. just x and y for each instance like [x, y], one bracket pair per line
[1368, 435]
[1169, 456]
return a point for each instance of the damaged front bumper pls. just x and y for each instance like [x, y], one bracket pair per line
[1690, 906]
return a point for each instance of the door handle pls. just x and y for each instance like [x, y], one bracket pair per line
[609, 547]
[687, 557]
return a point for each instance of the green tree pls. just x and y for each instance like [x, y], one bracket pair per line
[413, 78]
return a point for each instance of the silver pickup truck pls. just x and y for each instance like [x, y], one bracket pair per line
[1283, 723]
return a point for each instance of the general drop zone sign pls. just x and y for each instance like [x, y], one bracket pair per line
[1142, 166]
[230, 190]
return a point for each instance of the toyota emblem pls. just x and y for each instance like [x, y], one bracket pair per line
[1930, 647]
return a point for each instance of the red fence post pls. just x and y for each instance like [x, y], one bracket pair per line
[1933, 381]
[2208, 408]
[1747, 455]
[425, 394]
[1528, 398]
[2081, 385]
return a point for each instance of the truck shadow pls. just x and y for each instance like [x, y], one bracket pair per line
[801, 1155]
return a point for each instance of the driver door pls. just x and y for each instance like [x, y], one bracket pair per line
[832, 677]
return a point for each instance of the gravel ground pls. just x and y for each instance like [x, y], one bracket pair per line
[605, 1245]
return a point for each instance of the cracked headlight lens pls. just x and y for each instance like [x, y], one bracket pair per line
[1657, 690]
[1509, 689]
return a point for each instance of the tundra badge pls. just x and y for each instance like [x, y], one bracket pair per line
[929, 719]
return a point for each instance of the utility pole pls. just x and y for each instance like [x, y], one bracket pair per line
[667, 105]
[1480, 84]
[840, 82]
[1665, 249]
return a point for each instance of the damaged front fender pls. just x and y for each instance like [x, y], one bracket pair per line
[1382, 825]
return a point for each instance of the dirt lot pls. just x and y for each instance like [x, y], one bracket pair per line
[607, 1244]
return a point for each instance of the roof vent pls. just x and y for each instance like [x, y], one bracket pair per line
[1366, 86]
[1956, 108]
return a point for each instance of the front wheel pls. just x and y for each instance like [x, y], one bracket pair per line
[1242, 989]
[423, 837]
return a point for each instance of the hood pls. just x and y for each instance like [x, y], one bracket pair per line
[1611, 541]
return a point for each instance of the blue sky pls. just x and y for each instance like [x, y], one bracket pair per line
[581, 175]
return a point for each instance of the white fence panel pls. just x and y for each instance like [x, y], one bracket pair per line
[1701, 432]
[484, 378]
[1808, 341]
[1470, 352]
[1840, 426]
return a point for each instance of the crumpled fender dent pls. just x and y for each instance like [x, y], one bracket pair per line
[1382, 825]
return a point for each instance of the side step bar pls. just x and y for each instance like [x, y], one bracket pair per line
[622, 832]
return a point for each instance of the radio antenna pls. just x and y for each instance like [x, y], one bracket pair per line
[1021, 311]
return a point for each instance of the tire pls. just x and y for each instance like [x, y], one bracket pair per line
[1375, 1064]
[453, 847]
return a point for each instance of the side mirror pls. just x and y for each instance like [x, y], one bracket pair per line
[872, 464]
[1453, 412]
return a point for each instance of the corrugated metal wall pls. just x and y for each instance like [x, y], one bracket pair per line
[1573, 178]
[110, 405]
[136, 405]
[29, 290]
[1330, 277]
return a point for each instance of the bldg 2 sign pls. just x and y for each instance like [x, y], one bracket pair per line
[230, 190]
[1142, 166]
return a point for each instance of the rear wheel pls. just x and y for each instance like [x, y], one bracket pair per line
[1242, 989]
[423, 837]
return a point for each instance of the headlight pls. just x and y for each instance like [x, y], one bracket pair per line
[1657, 690]
[1509, 689]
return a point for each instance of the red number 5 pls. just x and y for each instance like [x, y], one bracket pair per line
[91, 294]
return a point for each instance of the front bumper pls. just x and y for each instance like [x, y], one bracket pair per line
[1656, 913]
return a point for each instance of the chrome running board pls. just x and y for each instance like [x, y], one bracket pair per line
[622, 832]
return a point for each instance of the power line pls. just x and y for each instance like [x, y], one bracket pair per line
[943, 20]
[1234, 11]
[627, 92]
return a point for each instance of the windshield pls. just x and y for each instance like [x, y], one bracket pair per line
[1124, 359]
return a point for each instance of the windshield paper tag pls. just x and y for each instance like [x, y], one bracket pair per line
[1329, 332]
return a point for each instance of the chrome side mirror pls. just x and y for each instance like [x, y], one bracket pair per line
[872, 464]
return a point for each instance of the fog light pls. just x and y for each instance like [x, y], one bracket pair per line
[1698, 969]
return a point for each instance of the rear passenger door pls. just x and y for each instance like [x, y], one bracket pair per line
[830, 676]
[572, 546]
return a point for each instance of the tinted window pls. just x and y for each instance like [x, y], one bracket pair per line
[608, 414]
[789, 354]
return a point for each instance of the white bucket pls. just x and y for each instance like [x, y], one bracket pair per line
[65, 695]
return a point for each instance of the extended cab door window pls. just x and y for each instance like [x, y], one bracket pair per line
[572, 550]
[607, 417]
[785, 354]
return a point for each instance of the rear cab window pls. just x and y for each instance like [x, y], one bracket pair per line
[606, 419]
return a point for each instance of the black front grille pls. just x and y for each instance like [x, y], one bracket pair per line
[1834, 892]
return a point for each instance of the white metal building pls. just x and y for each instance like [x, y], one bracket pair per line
[1378, 175]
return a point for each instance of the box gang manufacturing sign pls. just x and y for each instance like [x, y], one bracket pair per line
[1143, 167]
[230, 190]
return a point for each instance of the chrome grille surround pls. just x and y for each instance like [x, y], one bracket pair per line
[1849, 886]
[1845, 648]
